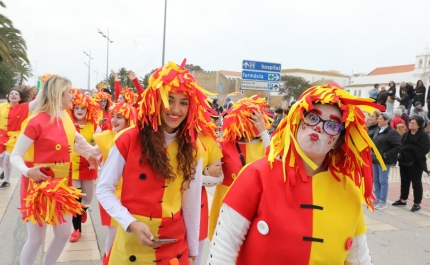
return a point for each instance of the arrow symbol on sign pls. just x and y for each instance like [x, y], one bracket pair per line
[245, 65]
[276, 77]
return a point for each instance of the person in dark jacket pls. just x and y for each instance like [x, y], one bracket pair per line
[276, 119]
[412, 161]
[372, 123]
[410, 91]
[382, 96]
[387, 141]
[420, 92]
[391, 94]
[404, 100]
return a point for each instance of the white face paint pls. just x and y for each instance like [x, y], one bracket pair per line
[313, 140]
[80, 112]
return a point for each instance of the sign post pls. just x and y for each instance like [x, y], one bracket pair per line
[261, 76]
[39, 82]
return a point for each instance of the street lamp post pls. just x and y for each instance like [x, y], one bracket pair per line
[107, 57]
[97, 76]
[164, 32]
[89, 67]
[35, 69]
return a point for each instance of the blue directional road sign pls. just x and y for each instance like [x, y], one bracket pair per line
[261, 76]
[261, 66]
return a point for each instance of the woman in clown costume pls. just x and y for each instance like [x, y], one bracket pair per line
[303, 203]
[122, 116]
[47, 140]
[127, 94]
[244, 140]
[12, 114]
[161, 169]
[211, 176]
[105, 102]
[84, 114]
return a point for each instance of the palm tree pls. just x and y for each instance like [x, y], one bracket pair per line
[13, 49]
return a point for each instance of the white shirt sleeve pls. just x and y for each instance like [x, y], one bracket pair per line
[17, 156]
[229, 234]
[83, 148]
[210, 181]
[191, 204]
[265, 137]
[110, 175]
[359, 252]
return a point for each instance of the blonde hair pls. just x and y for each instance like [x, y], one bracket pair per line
[52, 96]
[401, 129]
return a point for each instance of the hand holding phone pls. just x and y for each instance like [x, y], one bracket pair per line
[164, 240]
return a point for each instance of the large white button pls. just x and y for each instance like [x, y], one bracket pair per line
[263, 228]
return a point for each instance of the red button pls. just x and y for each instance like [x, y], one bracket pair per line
[348, 244]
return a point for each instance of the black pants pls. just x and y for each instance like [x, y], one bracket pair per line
[414, 174]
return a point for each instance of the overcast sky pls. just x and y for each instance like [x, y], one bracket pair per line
[344, 35]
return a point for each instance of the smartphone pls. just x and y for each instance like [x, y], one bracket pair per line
[164, 240]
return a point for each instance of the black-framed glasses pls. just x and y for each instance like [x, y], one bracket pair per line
[331, 127]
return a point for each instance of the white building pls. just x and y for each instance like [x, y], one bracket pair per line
[318, 76]
[360, 85]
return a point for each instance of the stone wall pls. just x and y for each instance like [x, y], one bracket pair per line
[210, 81]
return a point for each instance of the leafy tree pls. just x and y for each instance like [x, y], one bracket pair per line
[145, 81]
[13, 49]
[293, 86]
[192, 67]
[7, 79]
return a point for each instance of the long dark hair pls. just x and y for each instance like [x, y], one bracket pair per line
[153, 153]
[422, 84]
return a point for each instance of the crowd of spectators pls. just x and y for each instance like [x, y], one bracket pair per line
[400, 137]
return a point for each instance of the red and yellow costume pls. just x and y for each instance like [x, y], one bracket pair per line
[236, 125]
[80, 166]
[52, 146]
[103, 114]
[162, 202]
[162, 199]
[299, 218]
[11, 119]
[211, 154]
[128, 93]
[105, 140]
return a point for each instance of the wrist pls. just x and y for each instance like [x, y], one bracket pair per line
[129, 226]
[192, 257]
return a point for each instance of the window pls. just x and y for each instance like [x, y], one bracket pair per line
[355, 92]
[421, 62]
[359, 93]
